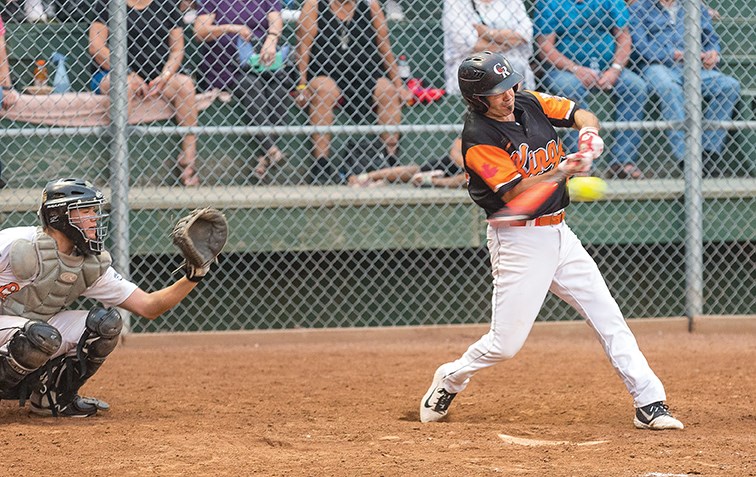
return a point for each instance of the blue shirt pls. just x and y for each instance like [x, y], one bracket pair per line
[583, 28]
[656, 36]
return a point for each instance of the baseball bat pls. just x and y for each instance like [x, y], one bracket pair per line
[524, 205]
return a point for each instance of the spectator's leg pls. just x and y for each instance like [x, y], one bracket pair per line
[666, 84]
[564, 83]
[324, 96]
[721, 93]
[181, 93]
[630, 96]
[389, 109]
[266, 101]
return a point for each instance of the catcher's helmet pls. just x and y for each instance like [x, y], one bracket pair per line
[62, 196]
[485, 74]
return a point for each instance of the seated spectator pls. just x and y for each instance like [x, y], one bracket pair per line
[586, 46]
[8, 95]
[344, 59]
[658, 34]
[222, 24]
[448, 171]
[155, 53]
[487, 25]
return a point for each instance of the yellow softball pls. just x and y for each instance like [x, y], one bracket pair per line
[586, 189]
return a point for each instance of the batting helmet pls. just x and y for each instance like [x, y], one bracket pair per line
[485, 74]
[62, 196]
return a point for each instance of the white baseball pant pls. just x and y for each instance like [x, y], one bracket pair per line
[527, 262]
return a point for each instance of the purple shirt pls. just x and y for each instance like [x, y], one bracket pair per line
[220, 63]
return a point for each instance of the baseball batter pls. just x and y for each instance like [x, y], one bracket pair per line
[509, 144]
[47, 353]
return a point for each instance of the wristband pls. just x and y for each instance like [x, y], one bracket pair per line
[301, 86]
[617, 66]
[274, 34]
[574, 68]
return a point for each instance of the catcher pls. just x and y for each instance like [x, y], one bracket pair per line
[48, 352]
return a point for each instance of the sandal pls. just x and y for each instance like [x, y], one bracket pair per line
[186, 172]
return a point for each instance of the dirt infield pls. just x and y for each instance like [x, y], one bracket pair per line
[345, 403]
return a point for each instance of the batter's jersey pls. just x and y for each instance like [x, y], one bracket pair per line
[498, 155]
[111, 289]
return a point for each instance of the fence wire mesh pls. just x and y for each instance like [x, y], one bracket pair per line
[325, 129]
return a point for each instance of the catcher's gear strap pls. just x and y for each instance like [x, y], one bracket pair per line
[59, 279]
[99, 339]
[28, 350]
[60, 380]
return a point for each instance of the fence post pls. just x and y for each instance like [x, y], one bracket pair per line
[119, 154]
[693, 163]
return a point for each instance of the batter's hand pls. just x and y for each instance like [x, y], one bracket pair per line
[590, 142]
[576, 163]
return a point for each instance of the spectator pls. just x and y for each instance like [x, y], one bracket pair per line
[221, 23]
[8, 95]
[586, 45]
[342, 47]
[448, 171]
[487, 25]
[657, 31]
[155, 53]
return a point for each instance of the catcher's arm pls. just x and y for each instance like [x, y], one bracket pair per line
[151, 305]
[200, 236]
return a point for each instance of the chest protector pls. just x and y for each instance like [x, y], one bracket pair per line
[60, 279]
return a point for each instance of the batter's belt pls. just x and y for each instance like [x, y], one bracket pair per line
[553, 219]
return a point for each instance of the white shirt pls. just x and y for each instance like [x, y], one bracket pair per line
[460, 35]
[111, 289]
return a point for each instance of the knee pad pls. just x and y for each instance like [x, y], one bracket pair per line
[33, 346]
[29, 349]
[103, 328]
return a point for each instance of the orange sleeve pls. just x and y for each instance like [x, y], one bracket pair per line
[493, 164]
[555, 107]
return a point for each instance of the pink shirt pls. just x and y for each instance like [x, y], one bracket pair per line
[2, 27]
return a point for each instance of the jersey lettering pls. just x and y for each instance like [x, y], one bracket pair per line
[533, 162]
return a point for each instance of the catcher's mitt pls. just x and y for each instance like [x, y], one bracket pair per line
[200, 236]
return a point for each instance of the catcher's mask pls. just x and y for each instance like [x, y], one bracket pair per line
[61, 197]
[485, 74]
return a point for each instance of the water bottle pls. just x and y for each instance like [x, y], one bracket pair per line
[245, 50]
[40, 73]
[61, 84]
[403, 68]
[595, 65]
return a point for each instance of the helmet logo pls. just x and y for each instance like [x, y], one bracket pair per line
[502, 69]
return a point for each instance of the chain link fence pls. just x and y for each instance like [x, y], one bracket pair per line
[338, 173]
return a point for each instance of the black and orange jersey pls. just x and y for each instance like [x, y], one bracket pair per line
[498, 155]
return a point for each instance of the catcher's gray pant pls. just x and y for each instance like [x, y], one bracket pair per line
[70, 324]
[527, 262]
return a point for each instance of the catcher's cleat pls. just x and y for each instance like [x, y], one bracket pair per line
[655, 416]
[79, 407]
[435, 404]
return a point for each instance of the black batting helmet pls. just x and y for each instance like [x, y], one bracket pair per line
[60, 197]
[485, 74]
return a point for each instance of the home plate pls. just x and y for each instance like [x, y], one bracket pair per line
[521, 441]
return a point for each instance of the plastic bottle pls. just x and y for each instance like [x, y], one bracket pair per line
[61, 84]
[40, 73]
[403, 68]
[595, 65]
[245, 50]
